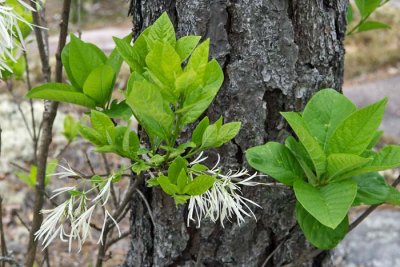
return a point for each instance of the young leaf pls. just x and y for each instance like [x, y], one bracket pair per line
[318, 234]
[182, 181]
[91, 135]
[228, 131]
[377, 137]
[372, 25]
[62, 93]
[199, 185]
[339, 164]
[163, 31]
[314, 150]
[175, 168]
[355, 133]
[151, 110]
[185, 45]
[119, 110]
[165, 65]
[102, 124]
[70, 128]
[167, 186]
[275, 160]
[199, 99]
[349, 14]
[131, 143]
[210, 137]
[373, 189]
[324, 112]
[99, 84]
[387, 158]
[328, 204]
[83, 59]
[115, 61]
[198, 132]
[67, 67]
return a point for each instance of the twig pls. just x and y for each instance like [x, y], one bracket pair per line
[109, 224]
[22, 221]
[49, 115]
[4, 252]
[147, 205]
[89, 163]
[62, 151]
[29, 85]
[116, 239]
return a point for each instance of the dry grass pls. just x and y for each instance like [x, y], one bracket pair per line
[371, 51]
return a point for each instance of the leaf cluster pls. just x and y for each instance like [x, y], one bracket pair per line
[365, 8]
[171, 85]
[332, 164]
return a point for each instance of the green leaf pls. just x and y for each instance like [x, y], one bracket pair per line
[324, 112]
[373, 190]
[275, 160]
[318, 234]
[165, 65]
[70, 128]
[387, 158]
[314, 150]
[199, 58]
[355, 133]
[375, 140]
[99, 84]
[50, 169]
[361, 7]
[83, 59]
[372, 25]
[162, 30]
[199, 99]
[139, 167]
[167, 186]
[198, 132]
[371, 5]
[228, 131]
[67, 67]
[199, 185]
[150, 109]
[182, 181]
[102, 124]
[27, 179]
[210, 137]
[175, 168]
[339, 164]
[349, 14]
[91, 135]
[119, 110]
[62, 93]
[131, 142]
[185, 45]
[184, 81]
[115, 61]
[328, 204]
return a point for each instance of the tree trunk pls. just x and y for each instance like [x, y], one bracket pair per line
[275, 54]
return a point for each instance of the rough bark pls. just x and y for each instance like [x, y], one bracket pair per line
[275, 55]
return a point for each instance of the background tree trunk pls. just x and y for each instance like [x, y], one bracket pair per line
[275, 54]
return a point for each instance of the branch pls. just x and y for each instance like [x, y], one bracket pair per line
[4, 252]
[11, 261]
[49, 115]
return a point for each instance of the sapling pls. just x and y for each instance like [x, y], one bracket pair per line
[333, 165]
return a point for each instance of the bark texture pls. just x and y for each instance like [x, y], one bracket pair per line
[275, 55]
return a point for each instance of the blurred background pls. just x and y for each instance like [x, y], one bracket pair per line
[372, 71]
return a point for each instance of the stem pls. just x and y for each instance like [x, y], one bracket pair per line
[49, 115]
[4, 252]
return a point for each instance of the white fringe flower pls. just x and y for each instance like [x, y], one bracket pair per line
[224, 199]
[76, 212]
[10, 33]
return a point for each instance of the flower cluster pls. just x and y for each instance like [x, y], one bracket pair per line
[76, 211]
[224, 199]
[11, 36]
